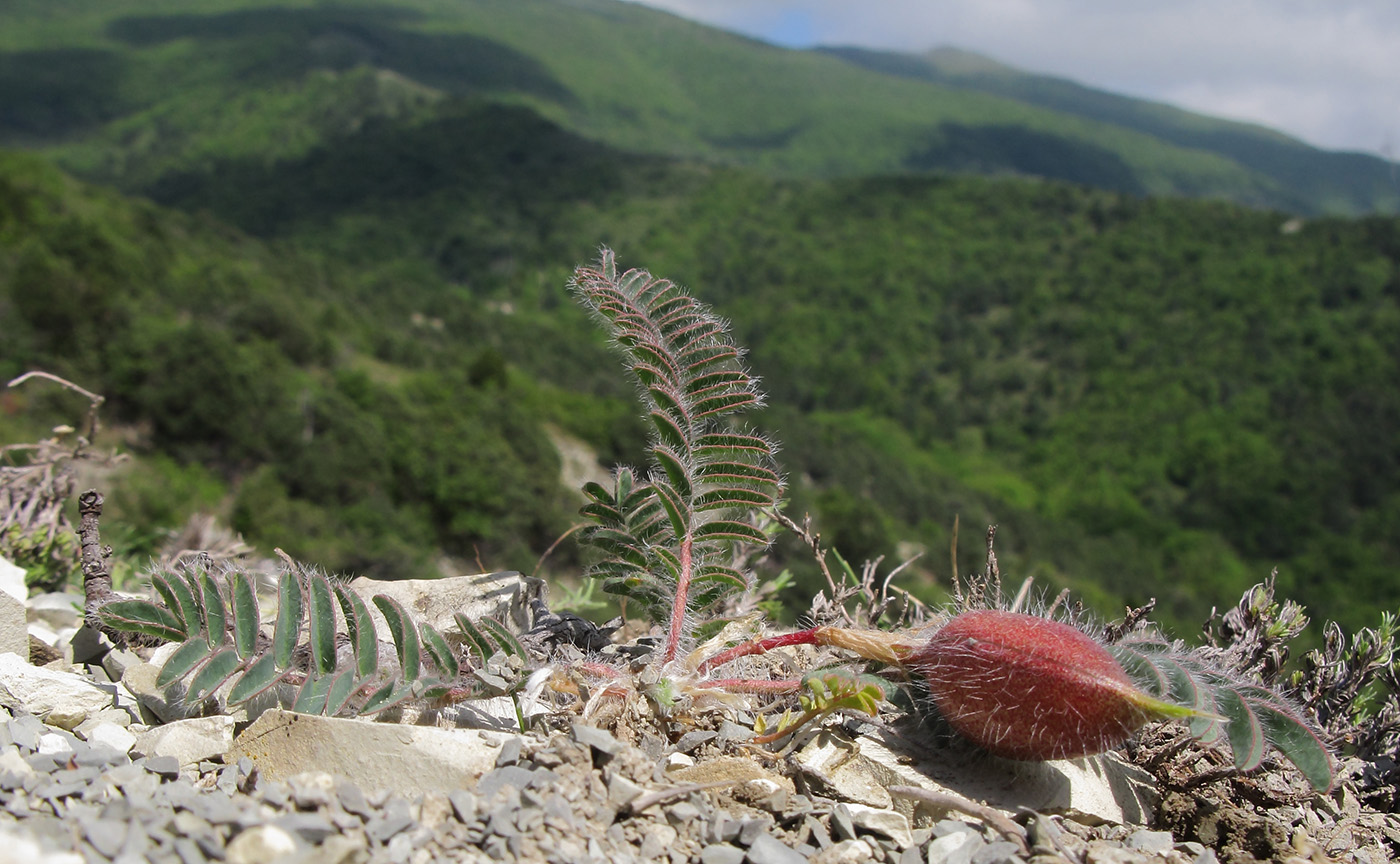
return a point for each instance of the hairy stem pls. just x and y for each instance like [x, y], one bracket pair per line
[673, 640]
[753, 685]
[890, 648]
[760, 646]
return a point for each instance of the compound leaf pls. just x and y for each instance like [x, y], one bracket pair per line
[405, 636]
[321, 623]
[213, 673]
[287, 633]
[142, 616]
[185, 658]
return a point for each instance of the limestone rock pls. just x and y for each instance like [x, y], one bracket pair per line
[166, 705]
[888, 823]
[190, 741]
[14, 629]
[408, 760]
[63, 697]
[260, 844]
[504, 596]
[1093, 790]
[59, 611]
[12, 580]
[111, 735]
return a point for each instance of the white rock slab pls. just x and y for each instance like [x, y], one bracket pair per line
[408, 760]
[890, 823]
[12, 580]
[49, 693]
[1094, 790]
[191, 741]
[58, 610]
[111, 735]
[504, 596]
[14, 629]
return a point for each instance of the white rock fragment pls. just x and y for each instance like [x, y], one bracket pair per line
[1094, 790]
[59, 610]
[14, 629]
[504, 596]
[46, 692]
[191, 741]
[13, 763]
[259, 844]
[887, 823]
[43, 632]
[111, 735]
[166, 705]
[947, 847]
[53, 744]
[845, 852]
[115, 716]
[408, 760]
[20, 845]
[12, 580]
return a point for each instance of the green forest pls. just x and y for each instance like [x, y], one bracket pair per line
[347, 333]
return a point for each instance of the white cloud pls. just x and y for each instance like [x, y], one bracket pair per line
[1326, 71]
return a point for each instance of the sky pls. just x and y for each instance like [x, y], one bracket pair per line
[1325, 71]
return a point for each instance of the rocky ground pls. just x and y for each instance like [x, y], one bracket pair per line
[98, 765]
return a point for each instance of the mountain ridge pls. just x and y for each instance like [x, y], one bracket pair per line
[93, 84]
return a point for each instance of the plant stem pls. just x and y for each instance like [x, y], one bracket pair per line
[673, 640]
[753, 685]
[876, 645]
[760, 646]
[97, 578]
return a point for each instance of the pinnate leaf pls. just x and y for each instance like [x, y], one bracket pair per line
[215, 610]
[287, 632]
[179, 664]
[260, 675]
[405, 636]
[142, 616]
[321, 622]
[245, 614]
[311, 699]
[179, 599]
[439, 650]
[215, 671]
[360, 625]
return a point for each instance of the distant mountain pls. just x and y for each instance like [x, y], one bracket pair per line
[129, 91]
[1328, 180]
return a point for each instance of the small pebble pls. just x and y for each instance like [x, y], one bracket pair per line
[510, 753]
[766, 849]
[259, 845]
[721, 853]
[954, 847]
[1150, 842]
[998, 852]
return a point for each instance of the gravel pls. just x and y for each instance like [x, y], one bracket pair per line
[574, 795]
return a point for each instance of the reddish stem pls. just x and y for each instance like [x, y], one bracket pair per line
[760, 646]
[754, 685]
[598, 670]
[889, 648]
[673, 640]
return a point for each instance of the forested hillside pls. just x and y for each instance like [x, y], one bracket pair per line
[1151, 398]
[131, 92]
[342, 325]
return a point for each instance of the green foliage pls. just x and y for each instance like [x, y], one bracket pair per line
[1152, 398]
[143, 95]
[670, 538]
[214, 614]
[1250, 718]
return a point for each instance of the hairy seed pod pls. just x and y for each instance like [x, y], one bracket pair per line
[1025, 687]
